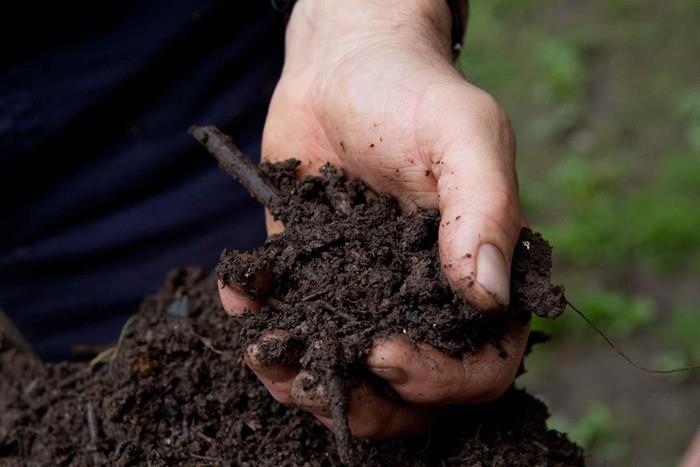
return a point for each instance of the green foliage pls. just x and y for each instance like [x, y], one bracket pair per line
[609, 142]
[659, 233]
[605, 101]
[680, 333]
[617, 314]
[598, 431]
[690, 111]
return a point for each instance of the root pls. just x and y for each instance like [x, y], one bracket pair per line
[339, 394]
[109, 355]
[622, 354]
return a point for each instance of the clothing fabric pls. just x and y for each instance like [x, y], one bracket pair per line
[103, 189]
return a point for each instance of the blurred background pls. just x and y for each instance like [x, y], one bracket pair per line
[604, 96]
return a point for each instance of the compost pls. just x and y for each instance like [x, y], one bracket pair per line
[176, 392]
[349, 268]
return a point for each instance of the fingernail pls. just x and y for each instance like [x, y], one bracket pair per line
[492, 273]
[392, 375]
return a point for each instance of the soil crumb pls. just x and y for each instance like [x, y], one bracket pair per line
[176, 392]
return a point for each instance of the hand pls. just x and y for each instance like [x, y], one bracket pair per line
[370, 86]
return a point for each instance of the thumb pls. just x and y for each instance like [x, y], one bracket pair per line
[237, 299]
[481, 219]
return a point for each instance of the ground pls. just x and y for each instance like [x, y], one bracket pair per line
[604, 96]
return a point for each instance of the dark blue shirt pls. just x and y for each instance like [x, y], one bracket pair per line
[103, 190]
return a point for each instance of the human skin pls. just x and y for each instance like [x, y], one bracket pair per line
[692, 455]
[370, 86]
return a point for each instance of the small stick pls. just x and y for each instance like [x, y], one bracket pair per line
[8, 329]
[235, 163]
[92, 430]
[338, 396]
[90, 417]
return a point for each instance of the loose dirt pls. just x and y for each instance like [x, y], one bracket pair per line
[349, 268]
[177, 393]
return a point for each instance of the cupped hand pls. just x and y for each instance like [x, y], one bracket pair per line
[370, 87]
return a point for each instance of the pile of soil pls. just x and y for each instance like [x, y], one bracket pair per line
[175, 392]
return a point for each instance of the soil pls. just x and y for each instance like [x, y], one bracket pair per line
[175, 392]
[351, 268]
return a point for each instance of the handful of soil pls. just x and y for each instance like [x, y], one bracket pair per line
[351, 268]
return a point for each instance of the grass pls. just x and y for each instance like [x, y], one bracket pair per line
[598, 431]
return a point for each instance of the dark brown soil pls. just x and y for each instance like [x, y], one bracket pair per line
[350, 268]
[177, 393]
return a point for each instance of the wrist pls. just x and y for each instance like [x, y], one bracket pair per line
[332, 27]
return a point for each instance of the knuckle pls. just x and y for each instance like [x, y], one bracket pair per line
[437, 392]
[488, 117]
[491, 110]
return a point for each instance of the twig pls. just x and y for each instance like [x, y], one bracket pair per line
[619, 351]
[314, 295]
[92, 429]
[328, 307]
[103, 357]
[338, 394]
[128, 323]
[31, 387]
[90, 418]
[206, 438]
[208, 343]
[206, 458]
[8, 329]
[108, 355]
[427, 445]
[235, 163]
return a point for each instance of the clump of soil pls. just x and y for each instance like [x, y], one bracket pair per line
[350, 268]
[175, 392]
